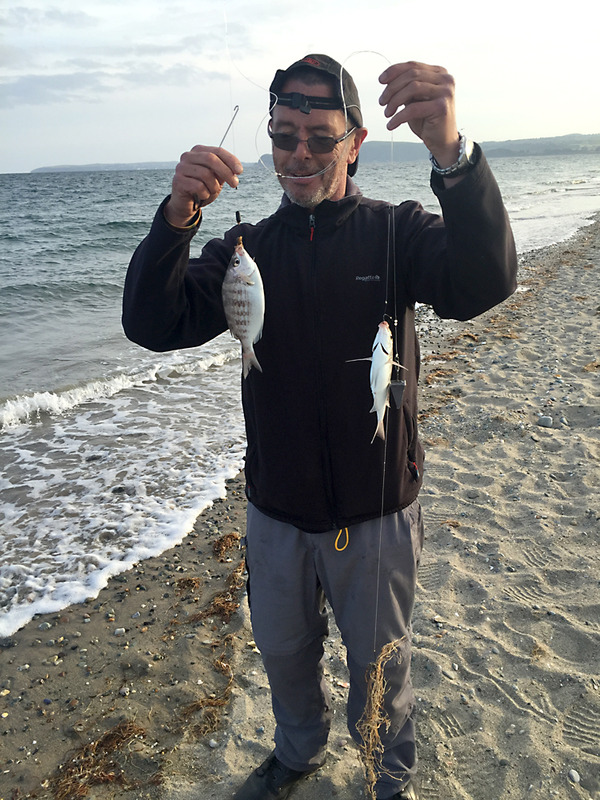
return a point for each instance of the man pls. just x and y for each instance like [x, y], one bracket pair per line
[331, 514]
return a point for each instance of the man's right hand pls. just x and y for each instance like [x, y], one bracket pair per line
[198, 180]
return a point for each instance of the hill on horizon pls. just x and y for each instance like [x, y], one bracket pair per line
[382, 152]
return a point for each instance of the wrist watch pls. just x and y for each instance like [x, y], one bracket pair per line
[466, 160]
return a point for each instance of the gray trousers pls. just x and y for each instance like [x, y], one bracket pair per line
[370, 585]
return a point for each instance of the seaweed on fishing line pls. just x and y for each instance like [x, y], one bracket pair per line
[374, 717]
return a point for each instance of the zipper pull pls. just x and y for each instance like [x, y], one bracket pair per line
[311, 223]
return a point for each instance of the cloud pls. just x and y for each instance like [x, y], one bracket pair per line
[31, 17]
[41, 89]
[90, 85]
[175, 75]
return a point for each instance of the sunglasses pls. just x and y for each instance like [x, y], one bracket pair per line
[316, 144]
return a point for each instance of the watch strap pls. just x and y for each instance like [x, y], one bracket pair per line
[465, 161]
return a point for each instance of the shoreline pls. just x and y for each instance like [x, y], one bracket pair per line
[156, 681]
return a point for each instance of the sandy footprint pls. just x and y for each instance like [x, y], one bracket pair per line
[581, 726]
[434, 575]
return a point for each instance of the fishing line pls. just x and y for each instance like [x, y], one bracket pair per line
[343, 98]
[267, 115]
[259, 128]
[390, 257]
[235, 111]
[274, 171]
[343, 66]
[230, 79]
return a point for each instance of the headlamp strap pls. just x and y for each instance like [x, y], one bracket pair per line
[306, 103]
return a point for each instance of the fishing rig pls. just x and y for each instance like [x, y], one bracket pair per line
[231, 121]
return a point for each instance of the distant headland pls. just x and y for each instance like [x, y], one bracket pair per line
[382, 152]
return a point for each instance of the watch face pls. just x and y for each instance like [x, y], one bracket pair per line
[469, 151]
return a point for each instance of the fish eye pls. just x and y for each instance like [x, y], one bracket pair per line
[236, 261]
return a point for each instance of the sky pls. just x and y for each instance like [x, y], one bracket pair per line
[128, 81]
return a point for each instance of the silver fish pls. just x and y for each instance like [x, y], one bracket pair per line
[244, 303]
[382, 363]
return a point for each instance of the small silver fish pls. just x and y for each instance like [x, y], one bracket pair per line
[244, 303]
[382, 363]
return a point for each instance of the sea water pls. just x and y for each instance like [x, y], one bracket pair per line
[108, 452]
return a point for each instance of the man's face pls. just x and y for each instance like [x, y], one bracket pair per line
[309, 178]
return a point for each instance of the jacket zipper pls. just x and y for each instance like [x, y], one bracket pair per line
[325, 460]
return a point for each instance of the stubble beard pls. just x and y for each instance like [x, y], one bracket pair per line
[311, 197]
[305, 200]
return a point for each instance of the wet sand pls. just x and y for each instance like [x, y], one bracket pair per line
[155, 690]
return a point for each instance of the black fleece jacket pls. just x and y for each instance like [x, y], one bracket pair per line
[309, 459]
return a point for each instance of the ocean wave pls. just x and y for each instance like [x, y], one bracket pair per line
[121, 225]
[62, 290]
[78, 568]
[30, 408]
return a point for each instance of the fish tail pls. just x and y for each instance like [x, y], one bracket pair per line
[379, 431]
[250, 360]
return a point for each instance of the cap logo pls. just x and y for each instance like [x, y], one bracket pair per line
[310, 60]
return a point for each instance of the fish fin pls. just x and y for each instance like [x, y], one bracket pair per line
[258, 335]
[250, 360]
[350, 360]
[246, 280]
[385, 405]
[400, 366]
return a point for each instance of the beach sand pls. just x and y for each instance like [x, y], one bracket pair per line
[155, 689]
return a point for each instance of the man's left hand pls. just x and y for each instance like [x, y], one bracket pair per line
[423, 96]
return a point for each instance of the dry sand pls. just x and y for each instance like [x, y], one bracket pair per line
[149, 692]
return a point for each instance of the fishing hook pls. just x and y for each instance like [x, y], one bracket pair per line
[235, 111]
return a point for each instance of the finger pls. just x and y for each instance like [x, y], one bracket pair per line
[410, 70]
[395, 70]
[223, 164]
[407, 114]
[417, 92]
[201, 174]
[413, 81]
[200, 192]
[190, 192]
[432, 107]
